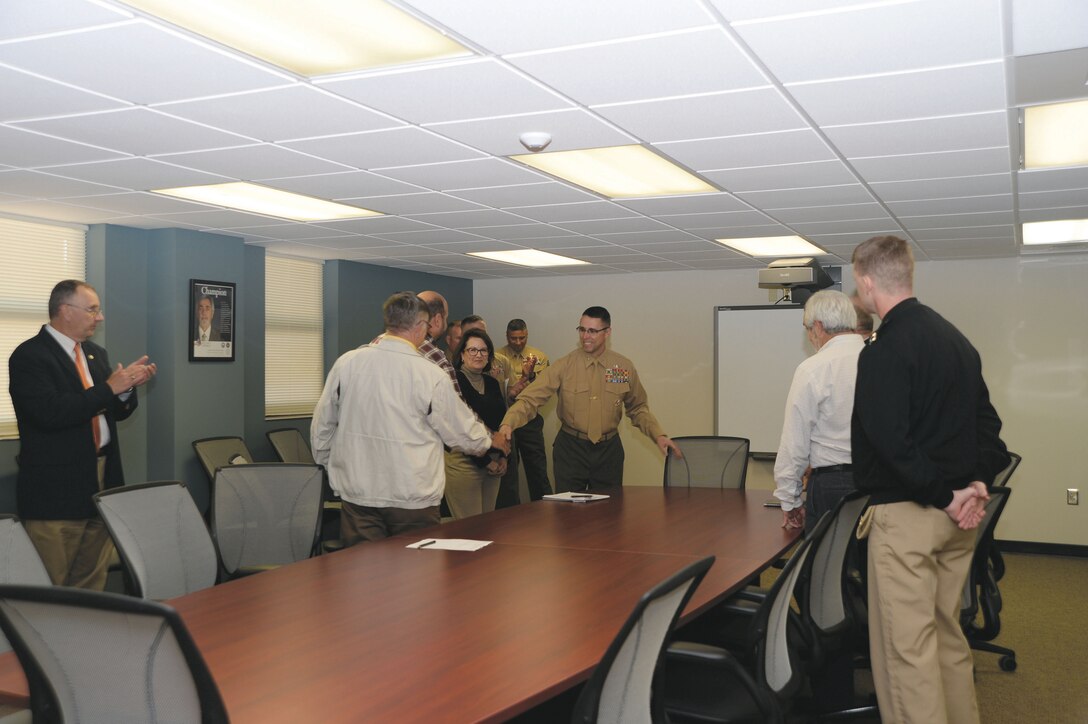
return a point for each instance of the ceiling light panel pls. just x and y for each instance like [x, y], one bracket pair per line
[264, 200]
[619, 171]
[1056, 135]
[773, 246]
[1067, 231]
[528, 257]
[313, 38]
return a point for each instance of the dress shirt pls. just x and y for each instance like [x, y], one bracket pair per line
[514, 361]
[381, 422]
[590, 388]
[69, 346]
[923, 424]
[816, 429]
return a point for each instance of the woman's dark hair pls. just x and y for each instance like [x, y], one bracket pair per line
[475, 334]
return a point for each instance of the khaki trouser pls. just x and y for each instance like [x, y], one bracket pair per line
[469, 489]
[922, 666]
[75, 553]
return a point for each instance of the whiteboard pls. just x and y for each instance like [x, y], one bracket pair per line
[756, 350]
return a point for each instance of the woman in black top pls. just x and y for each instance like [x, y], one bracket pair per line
[472, 483]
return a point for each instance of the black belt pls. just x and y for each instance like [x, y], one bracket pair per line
[844, 468]
[582, 436]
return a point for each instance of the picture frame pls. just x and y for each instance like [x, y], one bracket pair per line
[211, 333]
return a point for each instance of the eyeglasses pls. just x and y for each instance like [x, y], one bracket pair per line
[476, 351]
[590, 331]
[93, 311]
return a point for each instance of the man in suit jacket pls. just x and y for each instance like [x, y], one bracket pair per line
[205, 313]
[67, 402]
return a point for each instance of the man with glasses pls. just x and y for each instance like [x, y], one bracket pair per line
[595, 385]
[380, 424]
[67, 403]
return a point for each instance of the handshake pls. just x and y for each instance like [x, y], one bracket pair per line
[500, 439]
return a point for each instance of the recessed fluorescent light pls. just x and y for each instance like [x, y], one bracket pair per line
[528, 257]
[773, 246]
[1068, 231]
[618, 172]
[271, 202]
[315, 37]
[1056, 135]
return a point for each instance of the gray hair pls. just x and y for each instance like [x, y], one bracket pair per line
[403, 310]
[832, 309]
[62, 292]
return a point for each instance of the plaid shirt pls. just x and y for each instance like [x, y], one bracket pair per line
[431, 351]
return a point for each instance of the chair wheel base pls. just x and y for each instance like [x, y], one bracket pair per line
[1007, 663]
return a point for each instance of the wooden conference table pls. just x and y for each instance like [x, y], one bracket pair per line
[380, 632]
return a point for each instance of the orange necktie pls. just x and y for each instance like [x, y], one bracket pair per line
[88, 385]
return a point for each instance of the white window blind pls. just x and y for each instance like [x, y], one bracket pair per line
[35, 257]
[294, 360]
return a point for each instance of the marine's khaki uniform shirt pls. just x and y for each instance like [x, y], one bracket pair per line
[591, 389]
[514, 361]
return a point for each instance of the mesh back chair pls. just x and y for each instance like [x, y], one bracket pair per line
[981, 596]
[621, 688]
[161, 538]
[1001, 481]
[215, 452]
[290, 445]
[708, 462]
[708, 683]
[101, 657]
[265, 515]
[19, 560]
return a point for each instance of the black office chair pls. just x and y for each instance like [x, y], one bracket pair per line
[708, 462]
[711, 684]
[102, 657]
[981, 596]
[621, 688]
[1001, 481]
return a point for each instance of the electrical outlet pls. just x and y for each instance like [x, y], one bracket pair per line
[1072, 496]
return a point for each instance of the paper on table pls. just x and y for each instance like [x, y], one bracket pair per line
[450, 544]
[575, 497]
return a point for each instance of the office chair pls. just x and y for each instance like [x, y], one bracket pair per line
[19, 560]
[1001, 481]
[621, 688]
[161, 538]
[290, 445]
[102, 657]
[216, 452]
[708, 462]
[709, 683]
[265, 515]
[980, 593]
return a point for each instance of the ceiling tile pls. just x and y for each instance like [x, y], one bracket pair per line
[1066, 212]
[26, 96]
[531, 234]
[471, 219]
[381, 149]
[612, 226]
[23, 148]
[32, 184]
[574, 212]
[281, 114]
[700, 203]
[465, 174]
[537, 194]
[702, 60]
[975, 162]
[1028, 201]
[504, 27]
[1043, 26]
[793, 176]
[662, 237]
[144, 203]
[964, 232]
[941, 33]
[253, 163]
[996, 183]
[140, 174]
[722, 114]
[1053, 179]
[422, 203]
[109, 63]
[937, 92]
[951, 221]
[348, 185]
[853, 193]
[859, 226]
[449, 92]
[1050, 77]
[56, 211]
[895, 138]
[40, 17]
[842, 212]
[763, 149]
[933, 207]
[723, 220]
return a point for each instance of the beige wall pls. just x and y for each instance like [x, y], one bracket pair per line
[1028, 318]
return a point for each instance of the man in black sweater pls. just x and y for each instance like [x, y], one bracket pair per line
[925, 445]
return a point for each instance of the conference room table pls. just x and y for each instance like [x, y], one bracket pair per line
[381, 632]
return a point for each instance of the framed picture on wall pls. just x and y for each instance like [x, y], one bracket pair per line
[211, 321]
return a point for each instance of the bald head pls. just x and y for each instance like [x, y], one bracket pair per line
[440, 312]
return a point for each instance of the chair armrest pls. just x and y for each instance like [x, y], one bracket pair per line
[718, 661]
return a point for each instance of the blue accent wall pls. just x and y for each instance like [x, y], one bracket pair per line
[142, 277]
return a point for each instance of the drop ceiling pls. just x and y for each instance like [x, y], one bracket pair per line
[832, 120]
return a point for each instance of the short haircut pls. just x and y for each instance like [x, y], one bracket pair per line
[472, 319]
[516, 325]
[599, 313]
[452, 324]
[436, 306]
[865, 320]
[888, 260]
[458, 358]
[402, 310]
[62, 292]
[833, 310]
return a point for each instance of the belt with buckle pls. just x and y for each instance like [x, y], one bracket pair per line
[844, 468]
[582, 436]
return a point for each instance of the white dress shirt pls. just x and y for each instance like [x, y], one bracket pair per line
[816, 430]
[69, 346]
[380, 424]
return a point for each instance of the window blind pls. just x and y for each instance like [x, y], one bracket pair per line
[35, 257]
[294, 337]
